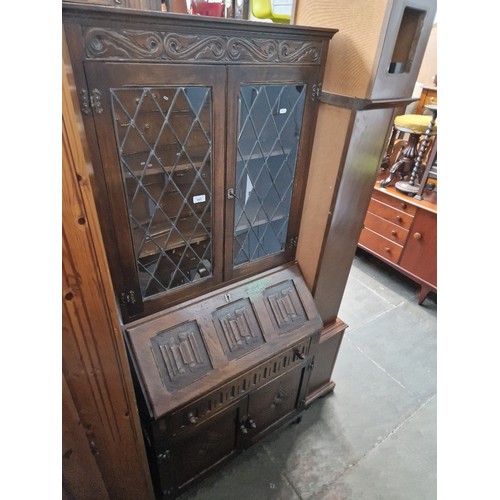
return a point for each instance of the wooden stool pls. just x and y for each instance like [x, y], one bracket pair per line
[415, 126]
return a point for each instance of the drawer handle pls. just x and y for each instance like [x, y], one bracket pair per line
[243, 429]
[251, 423]
[399, 218]
[394, 232]
[417, 236]
[192, 419]
[404, 206]
[299, 354]
[387, 250]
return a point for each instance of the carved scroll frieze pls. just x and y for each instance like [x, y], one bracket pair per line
[284, 307]
[123, 44]
[110, 44]
[181, 355]
[238, 329]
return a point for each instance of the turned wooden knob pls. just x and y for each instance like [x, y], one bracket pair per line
[417, 236]
[399, 218]
[404, 205]
[394, 232]
[387, 250]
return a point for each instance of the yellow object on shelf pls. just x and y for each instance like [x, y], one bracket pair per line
[278, 11]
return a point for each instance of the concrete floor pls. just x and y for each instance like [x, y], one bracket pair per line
[375, 436]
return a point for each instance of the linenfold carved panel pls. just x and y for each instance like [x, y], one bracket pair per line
[180, 355]
[237, 328]
[284, 306]
[132, 44]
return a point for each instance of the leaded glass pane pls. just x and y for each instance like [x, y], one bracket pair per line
[269, 123]
[164, 138]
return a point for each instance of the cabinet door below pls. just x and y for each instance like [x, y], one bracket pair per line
[419, 254]
[207, 446]
[274, 402]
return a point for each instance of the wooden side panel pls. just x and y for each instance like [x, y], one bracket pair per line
[94, 360]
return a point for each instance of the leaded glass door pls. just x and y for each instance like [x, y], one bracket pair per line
[269, 160]
[160, 150]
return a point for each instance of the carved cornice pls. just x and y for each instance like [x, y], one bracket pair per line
[129, 44]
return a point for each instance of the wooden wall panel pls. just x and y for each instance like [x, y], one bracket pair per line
[95, 365]
[354, 51]
[324, 174]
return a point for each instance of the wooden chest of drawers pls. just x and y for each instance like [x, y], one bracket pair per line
[428, 96]
[402, 232]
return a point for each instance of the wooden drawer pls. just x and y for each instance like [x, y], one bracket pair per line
[385, 228]
[396, 203]
[390, 214]
[380, 245]
[428, 96]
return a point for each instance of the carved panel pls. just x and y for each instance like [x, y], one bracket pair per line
[181, 355]
[238, 329]
[132, 44]
[284, 307]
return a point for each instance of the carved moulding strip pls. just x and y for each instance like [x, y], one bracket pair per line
[128, 44]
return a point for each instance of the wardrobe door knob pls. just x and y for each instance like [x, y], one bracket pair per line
[417, 236]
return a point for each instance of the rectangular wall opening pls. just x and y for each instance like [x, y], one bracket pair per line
[407, 40]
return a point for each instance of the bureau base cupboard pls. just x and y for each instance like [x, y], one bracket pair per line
[402, 232]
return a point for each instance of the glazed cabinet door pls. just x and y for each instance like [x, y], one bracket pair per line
[270, 127]
[158, 128]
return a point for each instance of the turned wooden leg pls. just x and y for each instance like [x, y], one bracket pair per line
[424, 291]
[404, 165]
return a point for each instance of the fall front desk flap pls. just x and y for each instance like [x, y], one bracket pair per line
[231, 340]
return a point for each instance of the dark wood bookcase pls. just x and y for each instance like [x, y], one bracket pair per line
[200, 133]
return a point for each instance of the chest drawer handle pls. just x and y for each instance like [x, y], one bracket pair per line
[417, 236]
[192, 419]
[404, 206]
[387, 250]
[399, 218]
[394, 232]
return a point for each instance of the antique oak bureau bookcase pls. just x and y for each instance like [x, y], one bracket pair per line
[200, 133]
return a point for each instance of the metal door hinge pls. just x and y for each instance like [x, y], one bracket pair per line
[316, 92]
[93, 102]
[127, 298]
